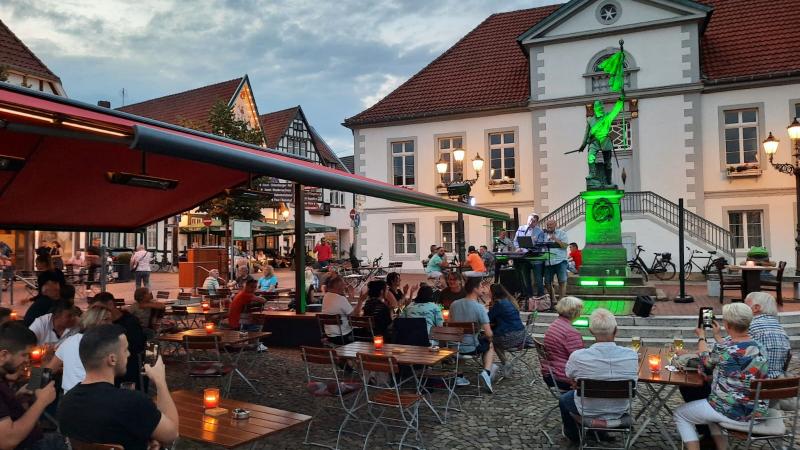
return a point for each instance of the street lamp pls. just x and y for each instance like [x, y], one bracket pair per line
[460, 190]
[770, 148]
[283, 210]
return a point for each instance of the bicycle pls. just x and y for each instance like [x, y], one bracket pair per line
[661, 267]
[164, 265]
[707, 268]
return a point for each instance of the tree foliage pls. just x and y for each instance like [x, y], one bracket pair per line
[224, 123]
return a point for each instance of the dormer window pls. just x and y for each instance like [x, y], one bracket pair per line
[608, 12]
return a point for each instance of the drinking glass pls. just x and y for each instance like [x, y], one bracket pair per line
[669, 353]
[636, 342]
[678, 342]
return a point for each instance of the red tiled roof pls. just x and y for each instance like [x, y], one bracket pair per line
[325, 151]
[189, 108]
[349, 163]
[275, 124]
[485, 70]
[751, 38]
[15, 55]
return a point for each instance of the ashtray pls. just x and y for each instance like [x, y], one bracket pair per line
[239, 413]
[243, 334]
[434, 348]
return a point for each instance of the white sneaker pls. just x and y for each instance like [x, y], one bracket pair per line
[261, 348]
[461, 381]
[487, 380]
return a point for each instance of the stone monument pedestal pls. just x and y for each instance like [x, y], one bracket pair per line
[604, 254]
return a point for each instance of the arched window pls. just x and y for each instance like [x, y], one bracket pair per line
[597, 80]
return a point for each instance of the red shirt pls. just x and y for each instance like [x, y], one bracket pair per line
[560, 340]
[577, 256]
[241, 300]
[323, 252]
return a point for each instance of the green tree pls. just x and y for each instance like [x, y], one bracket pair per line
[224, 123]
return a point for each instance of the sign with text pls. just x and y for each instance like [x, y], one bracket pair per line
[283, 191]
[242, 229]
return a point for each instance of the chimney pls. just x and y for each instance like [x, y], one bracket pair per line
[104, 103]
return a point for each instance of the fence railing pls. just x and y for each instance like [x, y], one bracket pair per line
[652, 204]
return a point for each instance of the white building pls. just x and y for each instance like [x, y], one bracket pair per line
[705, 83]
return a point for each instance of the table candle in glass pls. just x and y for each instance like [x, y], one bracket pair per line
[36, 354]
[13, 315]
[205, 306]
[209, 328]
[378, 341]
[211, 398]
[446, 314]
[654, 361]
[750, 264]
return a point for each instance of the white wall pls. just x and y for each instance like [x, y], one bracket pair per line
[50, 87]
[631, 12]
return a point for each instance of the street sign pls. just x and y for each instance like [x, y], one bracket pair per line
[352, 214]
[207, 221]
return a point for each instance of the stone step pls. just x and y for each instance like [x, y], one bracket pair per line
[632, 280]
[690, 343]
[626, 291]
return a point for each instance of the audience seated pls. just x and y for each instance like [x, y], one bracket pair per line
[134, 334]
[18, 425]
[376, 307]
[237, 317]
[475, 264]
[53, 327]
[212, 282]
[604, 360]
[736, 360]
[144, 306]
[396, 297]
[336, 302]
[269, 282]
[49, 294]
[453, 291]
[97, 412]
[767, 331]
[561, 339]
[468, 309]
[424, 307]
[67, 358]
[507, 326]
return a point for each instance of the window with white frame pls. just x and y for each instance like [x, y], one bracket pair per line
[599, 78]
[502, 157]
[113, 240]
[405, 238]
[746, 228]
[151, 238]
[403, 163]
[741, 137]
[337, 199]
[455, 169]
[498, 226]
[195, 221]
[448, 234]
[130, 240]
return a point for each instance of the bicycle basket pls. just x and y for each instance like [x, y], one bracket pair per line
[666, 256]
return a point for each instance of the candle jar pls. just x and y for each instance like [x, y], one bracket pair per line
[446, 314]
[13, 315]
[750, 264]
[378, 342]
[205, 306]
[36, 355]
[211, 398]
[654, 361]
[209, 328]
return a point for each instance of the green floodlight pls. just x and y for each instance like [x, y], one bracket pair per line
[617, 283]
[581, 322]
[589, 283]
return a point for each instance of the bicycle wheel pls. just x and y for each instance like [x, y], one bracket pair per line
[637, 269]
[664, 270]
[687, 270]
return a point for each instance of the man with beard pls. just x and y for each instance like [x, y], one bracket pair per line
[96, 411]
[18, 427]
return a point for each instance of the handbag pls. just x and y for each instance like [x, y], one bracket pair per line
[540, 304]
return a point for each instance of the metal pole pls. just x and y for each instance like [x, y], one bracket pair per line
[103, 263]
[460, 238]
[682, 297]
[299, 248]
[797, 220]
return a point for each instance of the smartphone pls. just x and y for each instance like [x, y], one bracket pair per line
[151, 353]
[39, 378]
[705, 317]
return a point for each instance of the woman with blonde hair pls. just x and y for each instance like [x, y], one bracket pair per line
[561, 339]
[269, 282]
[67, 357]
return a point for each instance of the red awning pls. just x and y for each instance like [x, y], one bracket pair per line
[67, 148]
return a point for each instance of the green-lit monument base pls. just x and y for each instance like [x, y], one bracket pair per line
[603, 255]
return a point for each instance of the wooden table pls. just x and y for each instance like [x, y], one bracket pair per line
[751, 277]
[655, 399]
[226, 431]
[405, 354]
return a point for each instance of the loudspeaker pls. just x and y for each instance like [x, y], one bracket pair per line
[509, 280]
[642, 305]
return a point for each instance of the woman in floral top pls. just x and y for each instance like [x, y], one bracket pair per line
[736, 361]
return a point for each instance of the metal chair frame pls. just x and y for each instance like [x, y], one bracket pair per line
[622, 389]
[520, 353]
[447, 370]
[364, 324]
[332, 320]
[554, 391]
[472, 360]
[207, 347]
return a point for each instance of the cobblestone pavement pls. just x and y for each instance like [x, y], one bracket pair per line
[507, 419]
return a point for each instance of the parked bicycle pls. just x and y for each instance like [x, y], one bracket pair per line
[165, 265]
[662, 266]
[709, 258]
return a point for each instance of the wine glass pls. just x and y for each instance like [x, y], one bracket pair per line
[636, 343]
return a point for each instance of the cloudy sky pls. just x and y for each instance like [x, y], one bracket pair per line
[334, 58]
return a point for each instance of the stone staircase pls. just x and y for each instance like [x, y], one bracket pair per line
[662, 329]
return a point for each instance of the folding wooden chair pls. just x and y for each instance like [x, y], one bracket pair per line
[473, 360]
[554, 391]
[363, 329]
[204, 360]
[330, 320]
[605, 389]
[447, 371]
[162, 295]
[519, 354]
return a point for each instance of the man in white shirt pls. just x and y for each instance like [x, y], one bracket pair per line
[140, 263]
[335, 301]
[604, 360]
[523, 267]
[211, 283]
[54, 327]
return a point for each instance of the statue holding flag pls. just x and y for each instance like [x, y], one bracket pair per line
[599, 126]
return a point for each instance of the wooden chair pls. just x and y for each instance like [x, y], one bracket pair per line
[411, 331]
[80, 445]
[204, 360]
[363, 329]
[775, 286]
[727, 281]
[473, 359]
[774, 425]
[447, 371]
[330, 320]
[605, 389]
[162, 295]
[519, 354]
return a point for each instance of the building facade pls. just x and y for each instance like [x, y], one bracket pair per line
[704, 86]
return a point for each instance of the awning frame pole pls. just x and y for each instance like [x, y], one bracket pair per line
[299, 249]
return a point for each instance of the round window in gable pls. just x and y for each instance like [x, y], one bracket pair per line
[608, 13]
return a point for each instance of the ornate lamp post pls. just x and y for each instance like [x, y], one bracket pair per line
[770, 147]
[460, 190]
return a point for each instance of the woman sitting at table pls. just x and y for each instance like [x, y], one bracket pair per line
[453, 291]
[507, 326]
[375, 307]
[736, 360]
[67, 357]
[269, 282]
[424, 307]
[396, 297]
[561, 339]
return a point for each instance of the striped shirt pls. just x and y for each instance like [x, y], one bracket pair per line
[767, 331]
[560, 340]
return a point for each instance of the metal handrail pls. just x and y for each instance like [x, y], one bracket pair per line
[648, 202]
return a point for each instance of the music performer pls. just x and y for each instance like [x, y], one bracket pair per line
[523, 267]
[556, 264]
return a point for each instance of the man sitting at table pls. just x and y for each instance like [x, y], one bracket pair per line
[238, 319]
[134, 334]
[604, 360]
[54, 327]
[212, 282]
[49, 294]
[97, 412]
[436, 264]
[468, 309]
[475, 263]
[336, 302]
